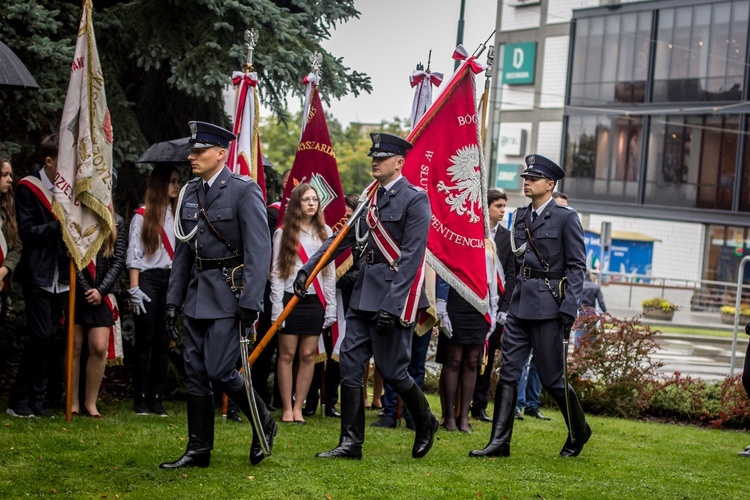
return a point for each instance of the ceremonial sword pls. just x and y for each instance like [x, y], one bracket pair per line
[245, 335]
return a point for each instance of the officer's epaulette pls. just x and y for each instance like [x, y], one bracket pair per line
[416, 188]
[194, 179]
[566, 207]
[243, 178]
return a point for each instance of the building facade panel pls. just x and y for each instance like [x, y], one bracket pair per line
[554, 72]
[549, 138]
[514, 18]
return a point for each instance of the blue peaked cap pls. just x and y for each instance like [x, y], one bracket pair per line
[207, 135]
[384, 145]
[539, 166]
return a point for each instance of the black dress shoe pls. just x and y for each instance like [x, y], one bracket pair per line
[518, 416]
[256, 452]
[535, 413]
[385, 422]
[573, 449]
[234, 416]
[481, 414]
[308, 412]
[189, 459]
[331, 412]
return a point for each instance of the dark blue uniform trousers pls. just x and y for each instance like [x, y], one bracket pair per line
[212, 348]
[545, 337]
[392, 353]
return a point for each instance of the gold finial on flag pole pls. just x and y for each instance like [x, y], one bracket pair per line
[251, 39]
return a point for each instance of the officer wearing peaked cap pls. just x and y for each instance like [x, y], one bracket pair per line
[218, 276]
[385, 299]
[547, 240]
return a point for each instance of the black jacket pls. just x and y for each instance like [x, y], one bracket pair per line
[108, 269]
[508, 260]
[43, 247]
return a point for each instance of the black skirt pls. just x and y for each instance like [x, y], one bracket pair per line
[469, 325]
[306, 318]
[90, 316]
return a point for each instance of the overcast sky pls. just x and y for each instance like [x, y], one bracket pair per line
[390, 38]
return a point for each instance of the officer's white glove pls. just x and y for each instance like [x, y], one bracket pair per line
[137, 298]
[493, 325]
[442, 312]
[502, 317]
[328, 321]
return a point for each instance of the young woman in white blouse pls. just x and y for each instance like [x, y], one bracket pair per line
[149, 262]
[302, 232]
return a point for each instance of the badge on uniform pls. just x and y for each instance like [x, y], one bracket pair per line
[191, 205]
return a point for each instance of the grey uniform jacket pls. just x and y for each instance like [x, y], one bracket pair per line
[235, 207]
[558, 234]
[405, 213]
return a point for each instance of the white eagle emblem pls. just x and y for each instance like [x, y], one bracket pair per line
[466, 190]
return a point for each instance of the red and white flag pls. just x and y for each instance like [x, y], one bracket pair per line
[82, 196]
[244, 156]
[315, 164]
[447, 162]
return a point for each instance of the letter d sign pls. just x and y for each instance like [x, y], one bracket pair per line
[517, 57]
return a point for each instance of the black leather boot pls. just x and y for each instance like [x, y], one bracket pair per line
[502, 422]
[580, 428]
[352, 425]
[200, 413]
[269, 425]
[425, 423]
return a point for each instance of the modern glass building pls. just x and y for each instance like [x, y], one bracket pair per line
[646, 104]
[657, 117]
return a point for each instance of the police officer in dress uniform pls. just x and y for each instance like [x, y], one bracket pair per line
[374, 322]
[224, 243]
[550, 262]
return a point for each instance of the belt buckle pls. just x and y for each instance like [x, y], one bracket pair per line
[198, 264]
[370, 257]
[526, 272]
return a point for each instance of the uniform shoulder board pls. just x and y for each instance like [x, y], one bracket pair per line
[194, 179]
[416, 188]
[243, 178]
[566, 207]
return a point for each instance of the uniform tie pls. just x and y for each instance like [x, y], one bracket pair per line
[206, 187]
[534, 215]
[381, 192]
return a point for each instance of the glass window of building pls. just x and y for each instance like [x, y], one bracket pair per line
[610, 63]
[724, 251]
[691, 161]
[603, 157]
[700, 52]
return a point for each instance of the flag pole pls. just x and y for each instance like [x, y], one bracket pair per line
[486, 94]
[368, 193]
[70, 342]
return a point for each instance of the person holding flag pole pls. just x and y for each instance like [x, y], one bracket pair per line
[386, 298]
[422, 80]
[82, 193]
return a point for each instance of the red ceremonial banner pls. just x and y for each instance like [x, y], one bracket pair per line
[315, 164]
[447, 163]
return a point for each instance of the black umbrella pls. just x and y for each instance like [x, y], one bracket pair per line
[13, 74]
[174, 151]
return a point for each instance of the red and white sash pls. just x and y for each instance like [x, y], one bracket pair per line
[35, 185]
[162, 232]
[320, 356]
[392, 252]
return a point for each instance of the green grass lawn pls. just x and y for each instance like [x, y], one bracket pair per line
[118, 457]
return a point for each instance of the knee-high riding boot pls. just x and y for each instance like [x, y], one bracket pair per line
[577, 424]
[352, 425]
[502, 422]
[269, 425]
[425, 423]
[200, 413]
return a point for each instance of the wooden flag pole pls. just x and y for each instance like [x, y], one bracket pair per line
[322, 263]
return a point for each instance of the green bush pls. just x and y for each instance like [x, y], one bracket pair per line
[718, 404]
[611, 365]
